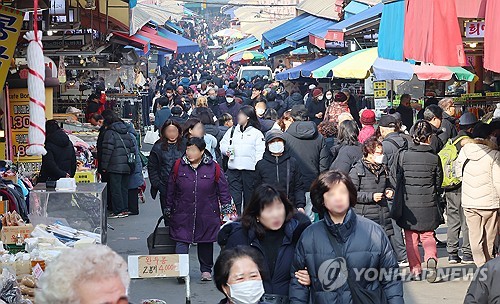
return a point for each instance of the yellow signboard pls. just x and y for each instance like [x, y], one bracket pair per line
[472, 95]
[379, 85]
[380, 93]
[11, 21]
[19, 125]
[492, 94]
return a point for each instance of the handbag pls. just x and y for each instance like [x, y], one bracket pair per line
[151, 136]
[159, 242]
[274, 299]
[130, 156]
[359, 294]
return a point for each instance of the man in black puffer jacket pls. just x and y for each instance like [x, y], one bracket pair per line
[279, 168]
[116, 146]
[294, 99]
[60, 160]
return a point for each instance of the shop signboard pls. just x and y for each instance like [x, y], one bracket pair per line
[19, 124]
[474, 29]
[11, 21]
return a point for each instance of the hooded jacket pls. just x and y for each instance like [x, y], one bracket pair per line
[364, 246]
[116, 146]
[60, 158]
[481, 174]
[293, 100]
[136, 177]
[273, 170]
[448, 128]
[308, 147]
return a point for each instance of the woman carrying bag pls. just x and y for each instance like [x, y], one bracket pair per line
[196, 187]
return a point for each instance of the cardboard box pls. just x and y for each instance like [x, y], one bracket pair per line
[9, 233]
[4, 207]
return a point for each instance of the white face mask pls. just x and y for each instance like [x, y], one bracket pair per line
[260, 111]
[248, 292]
[379, 159]
[277, 147]
[320, 97]
[169, 94]
[229, 99]
[328, 96]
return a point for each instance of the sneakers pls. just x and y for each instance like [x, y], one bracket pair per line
[431, 270]
[467, 259]
[454, 259]
[119, 215]
[181, 280]
[403, 264]
[206, 276]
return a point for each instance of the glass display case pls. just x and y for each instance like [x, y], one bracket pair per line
[82, 209]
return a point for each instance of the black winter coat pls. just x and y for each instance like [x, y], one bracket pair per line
[364, 245]
[160, 164]
[448, 128]
[485, 287]
[116, 146]
[314, 107]
[391, 144]
[423, 178]
[273, 170]
[231, 108]
[60, 158]
[235, 234]
[367, 184]
[293, 100]
[344, 157]
[308, 147]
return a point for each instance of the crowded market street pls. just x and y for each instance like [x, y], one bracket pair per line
[249, 151]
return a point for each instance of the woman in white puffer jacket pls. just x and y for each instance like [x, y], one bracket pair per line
[479, 161]
[244, 145]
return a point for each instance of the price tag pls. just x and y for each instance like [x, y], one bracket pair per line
[158, 266]
[37, 271]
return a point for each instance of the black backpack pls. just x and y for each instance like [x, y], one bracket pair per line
[397, 167]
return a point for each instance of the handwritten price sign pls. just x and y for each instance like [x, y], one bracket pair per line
[158, 266]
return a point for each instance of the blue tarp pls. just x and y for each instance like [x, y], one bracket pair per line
[391, 32]
[354, 8]
[246, 41]
[278, 50]
[183, 45]
[370, 13]
[278, 34]
[305, 69]
[174, 27]
[317, 24]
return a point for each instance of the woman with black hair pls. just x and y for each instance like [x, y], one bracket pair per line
[348, 150]
[244, 145]
[271, 225]
[197, 195]
[423, 177]
[60, 160]
[170, 147]
[195, 128]
[345, 254]
[238, 274]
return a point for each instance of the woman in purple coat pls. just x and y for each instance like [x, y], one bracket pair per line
[196, 187]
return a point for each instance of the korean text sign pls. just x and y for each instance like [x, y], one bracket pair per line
[11, 22]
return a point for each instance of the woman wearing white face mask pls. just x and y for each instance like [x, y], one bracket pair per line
[328, 98]
[371, 178]
[237, 274]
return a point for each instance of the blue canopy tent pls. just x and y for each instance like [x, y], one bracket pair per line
[183, 45]
[278, 50]
[242, 42]
[385, 69]
[354, 8]
[302, 36]
[305, 69]
[174, 27]
[278, 34]
[391, 32]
